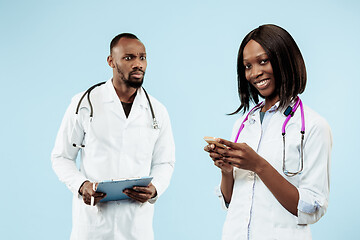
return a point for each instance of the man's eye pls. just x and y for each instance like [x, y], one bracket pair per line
[143, 58]
[127, 58]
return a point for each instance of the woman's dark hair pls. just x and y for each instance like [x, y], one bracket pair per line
[286, 60]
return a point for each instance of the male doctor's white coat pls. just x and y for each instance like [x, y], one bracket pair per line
[115, 147]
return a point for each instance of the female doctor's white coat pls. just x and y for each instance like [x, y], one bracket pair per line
[115, 147]
[254, 213]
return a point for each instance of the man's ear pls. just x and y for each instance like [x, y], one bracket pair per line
[110, 61]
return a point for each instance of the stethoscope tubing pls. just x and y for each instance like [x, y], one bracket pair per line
[283, 132]
[88, 98]
[246, 118]
[87, 92]
[297, 104]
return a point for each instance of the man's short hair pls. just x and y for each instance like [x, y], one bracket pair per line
[118, 37]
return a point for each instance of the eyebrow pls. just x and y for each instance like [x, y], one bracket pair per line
[258, 56]
[143, 53]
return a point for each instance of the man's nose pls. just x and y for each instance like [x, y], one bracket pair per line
[137, 64]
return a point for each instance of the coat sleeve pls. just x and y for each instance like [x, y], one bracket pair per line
[64, 154]
[163, 158]
[315, 180]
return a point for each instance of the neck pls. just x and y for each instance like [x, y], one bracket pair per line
[269, 102]
[126, 94]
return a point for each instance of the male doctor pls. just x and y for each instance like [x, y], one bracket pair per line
[118, 141]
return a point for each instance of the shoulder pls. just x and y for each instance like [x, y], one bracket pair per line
[315, 124]
[160, 112]
[77, 97]
[236, 126]
[240, 120]
[157, 105]
[313, 118]
[97, 90]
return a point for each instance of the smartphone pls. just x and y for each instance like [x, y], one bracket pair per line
[212, 140]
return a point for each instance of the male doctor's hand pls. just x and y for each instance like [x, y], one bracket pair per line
[87, 192]
[141, 194]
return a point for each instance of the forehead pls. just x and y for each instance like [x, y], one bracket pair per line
[129, 46]
[253, 49]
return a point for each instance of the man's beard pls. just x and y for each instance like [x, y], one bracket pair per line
[129, 81]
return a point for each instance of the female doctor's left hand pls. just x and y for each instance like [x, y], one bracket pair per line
[240, 155]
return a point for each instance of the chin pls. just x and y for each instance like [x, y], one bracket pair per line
[135, 84]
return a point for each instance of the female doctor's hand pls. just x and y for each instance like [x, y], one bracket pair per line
[141, 194]
[217, 158]
[86, 190]
[239, 155]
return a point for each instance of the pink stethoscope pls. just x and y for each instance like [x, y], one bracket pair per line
[289, 112]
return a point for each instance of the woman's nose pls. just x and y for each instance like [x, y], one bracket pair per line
[256, 71]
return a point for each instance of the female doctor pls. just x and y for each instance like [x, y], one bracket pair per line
[275, 171]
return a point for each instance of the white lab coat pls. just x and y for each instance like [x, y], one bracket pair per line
[254, 213]
[115, 147]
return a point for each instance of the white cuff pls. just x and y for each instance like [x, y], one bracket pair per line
[310, 208]
[153, 200]
[219, 194]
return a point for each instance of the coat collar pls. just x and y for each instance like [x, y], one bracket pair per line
[255, 115]
[275, 108]
[111, 96]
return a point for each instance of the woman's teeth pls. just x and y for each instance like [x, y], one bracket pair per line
[262, 82]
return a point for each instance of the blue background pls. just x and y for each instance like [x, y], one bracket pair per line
[51, 50]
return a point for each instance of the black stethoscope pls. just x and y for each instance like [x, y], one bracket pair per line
[87, 92]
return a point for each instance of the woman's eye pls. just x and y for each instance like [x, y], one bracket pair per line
[247, 66]
[264, 61]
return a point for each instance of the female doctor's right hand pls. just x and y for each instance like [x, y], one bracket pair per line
[226, 168]
[87, 192]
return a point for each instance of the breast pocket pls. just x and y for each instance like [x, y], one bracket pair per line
[273, 151]
[148, 138]
[292, 163]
